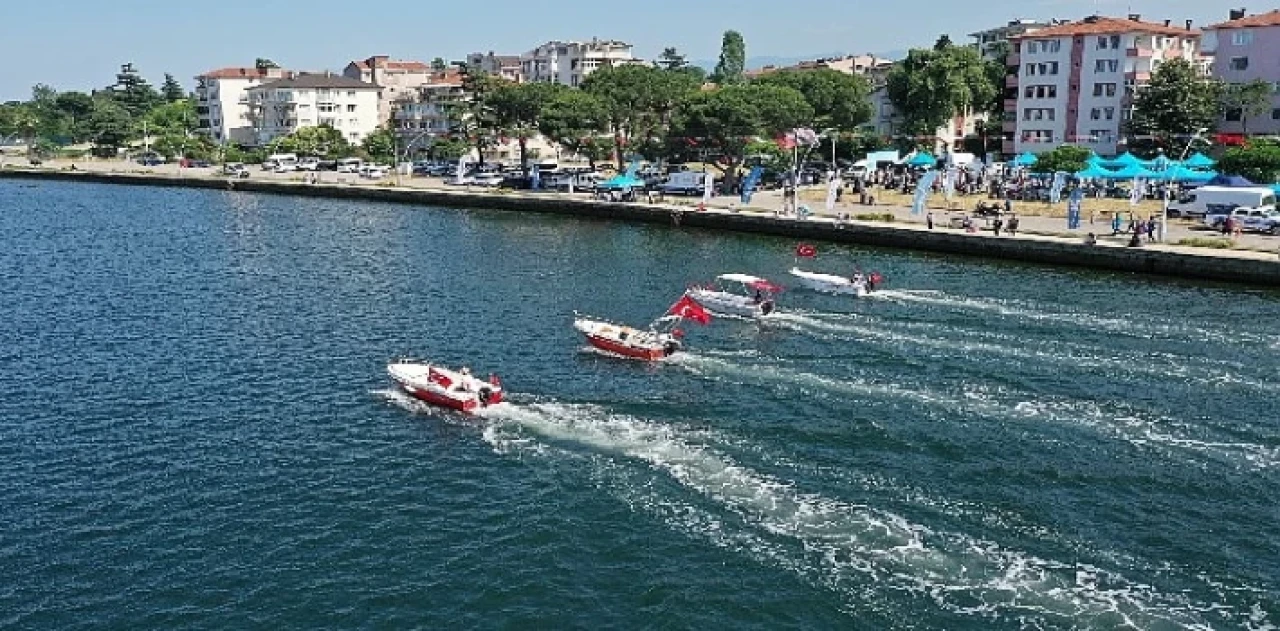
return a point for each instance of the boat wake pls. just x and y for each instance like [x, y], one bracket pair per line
[1138, 428]
[867, 555]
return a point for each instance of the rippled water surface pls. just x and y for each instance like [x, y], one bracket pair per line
[196, 430]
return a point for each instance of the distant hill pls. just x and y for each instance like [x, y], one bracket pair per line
[773, 60]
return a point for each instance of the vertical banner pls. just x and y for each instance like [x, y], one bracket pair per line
[922, 191]
[708, 187]
[749, 184]
[1139, 189]
[1073, 208]
[535, 178]
[832, 187]
[1055, 191]
[462, 170]
[949, 182]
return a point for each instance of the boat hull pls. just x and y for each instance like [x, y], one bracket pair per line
[627, 342]
[829, 283]
[725, 303]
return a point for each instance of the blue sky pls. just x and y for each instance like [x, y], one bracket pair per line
[79, 44]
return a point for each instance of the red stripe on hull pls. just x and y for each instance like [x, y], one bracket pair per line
[648, 354]
[442, 401]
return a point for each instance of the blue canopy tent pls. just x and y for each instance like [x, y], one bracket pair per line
[621, 182]
[1093, 172]
[1229, 180]
[1026, 159]
[1181, 173]
[1199, 161]
[922, 159]
[1130, 172]
[1123, 160]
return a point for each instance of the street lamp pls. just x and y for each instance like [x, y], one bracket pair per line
[1164, 206]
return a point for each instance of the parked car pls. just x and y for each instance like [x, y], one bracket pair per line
[235, 169]
[489, 180]
[150, 159]
[1256, 219]
[349, 165]
[1208, 200]
[309, 164]
[373, 172]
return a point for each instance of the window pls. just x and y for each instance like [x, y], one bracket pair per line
[1109, 113]
[1104, 89]
[1030, 70]
[1053, 67]
[1275, 114]
[351, 107]
[1028, 92]
[1242, 37]
[1106, 65]
[351, 94]
[1095, 114]
[1102, 42]
[1233, 115]
[1115, 41]
[1239, 63]
[1100, 135]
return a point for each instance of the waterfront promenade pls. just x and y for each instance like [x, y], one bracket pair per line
[1040, 239]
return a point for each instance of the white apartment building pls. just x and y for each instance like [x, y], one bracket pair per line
[397, 78]
[506, 66]
[1075, 82]
[568, 63]
[988, 41]
[422, 116]
[282, 107]
[886, 123]
[222, 101]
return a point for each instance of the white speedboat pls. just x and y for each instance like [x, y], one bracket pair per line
[737, 294]
[456, 390]
[830, 283]
[660, 340]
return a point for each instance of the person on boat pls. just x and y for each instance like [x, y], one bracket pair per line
[858, 279]
[758, 298]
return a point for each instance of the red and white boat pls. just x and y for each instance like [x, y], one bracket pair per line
[737, 295]
[661, 339]
[456, 390]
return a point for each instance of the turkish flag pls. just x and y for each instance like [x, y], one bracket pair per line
[805, 250]
[687, 307]
[439, 378]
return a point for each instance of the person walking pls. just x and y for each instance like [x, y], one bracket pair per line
[1012, 228]
[928, 220]
[996, 225]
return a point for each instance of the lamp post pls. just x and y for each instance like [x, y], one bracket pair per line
[1164, 201]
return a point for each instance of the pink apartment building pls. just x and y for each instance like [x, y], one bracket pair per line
[1245, 48]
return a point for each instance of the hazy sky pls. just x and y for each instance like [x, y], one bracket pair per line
[79, 44]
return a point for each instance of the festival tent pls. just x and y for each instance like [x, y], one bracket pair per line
[1199, 161]
[1124, 160]
[1181, 173]
[621, 182]
[1130, 172]
[1229, 180]
[1093, 172]
[1026, 159]
[922, 159]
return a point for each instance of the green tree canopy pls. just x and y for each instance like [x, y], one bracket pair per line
[726, 121]
[1258, 160]
[110, 126]
[517, 108]
[929, 87]
[1177, 102]
[439, 64]
[321, 141]
[175, 117]
[380, 146]
[574, 119]
[638, 101]
[1243, 101]
[1067, 158]
[133, 93]
[733, 59]
[171, 89]
[263, 63]
[839, 100]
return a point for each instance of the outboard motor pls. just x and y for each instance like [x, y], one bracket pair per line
[670, 347]
[766, 307]
[485, 394]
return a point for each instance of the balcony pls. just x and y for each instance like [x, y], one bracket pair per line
[1011, 81]
[1137, 76]
[1014, 59]
[1009, 126]
[1011, 105]
[1007, 147]
[1140, 51]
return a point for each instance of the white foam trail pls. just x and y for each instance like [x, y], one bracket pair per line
[1142, 327]
[985, 401]
[854, 549]
[1062, 354]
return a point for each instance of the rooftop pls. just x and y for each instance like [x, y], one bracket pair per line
[386, 63]
[1270, 18]
[246, 73]
[1102, 25]
[325, 80]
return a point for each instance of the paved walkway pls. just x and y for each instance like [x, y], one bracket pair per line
[1251, 246]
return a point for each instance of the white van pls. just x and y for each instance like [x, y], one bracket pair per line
[281, 162]
[350, 165]
[1221, 200]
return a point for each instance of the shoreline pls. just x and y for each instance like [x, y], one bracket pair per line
[1247, 267]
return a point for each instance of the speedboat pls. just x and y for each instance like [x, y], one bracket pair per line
[661, 339]
[456, 390]
[856, 285]
[737, 294]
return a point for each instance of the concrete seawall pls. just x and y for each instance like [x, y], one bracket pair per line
[1245, 267]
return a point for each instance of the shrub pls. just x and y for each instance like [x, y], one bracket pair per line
[874, 217]
[1217, 243]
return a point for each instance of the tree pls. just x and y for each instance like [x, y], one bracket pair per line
[1258, 160]
[1177, 102]
[943, 42]
[380, 146]
[1242, 101]
[109, 127]
[448, 149]
[133, 93]
[177, 117]
[75, 108]
[670, 59]
[733, 59]
[574, 119]
[726, 121]
[321, 141]
[172, 90]
[1068, 158]
[839, 100]
[472, 116]
[194, 146]
[262, 63]
[517, 107]
[930, 86]
[439, 65]
[639, 101]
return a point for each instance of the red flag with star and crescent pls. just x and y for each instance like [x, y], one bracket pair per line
[805, 250]
[687, 307]
[439, 378]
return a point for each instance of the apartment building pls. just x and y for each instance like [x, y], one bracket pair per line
[1247, 48]
[568, 63]
[222, 101]
[397, 78]
[279, 108]
[506, 66]
[424, 115]
[989, 42]
[1075, 82]
[886, 123]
